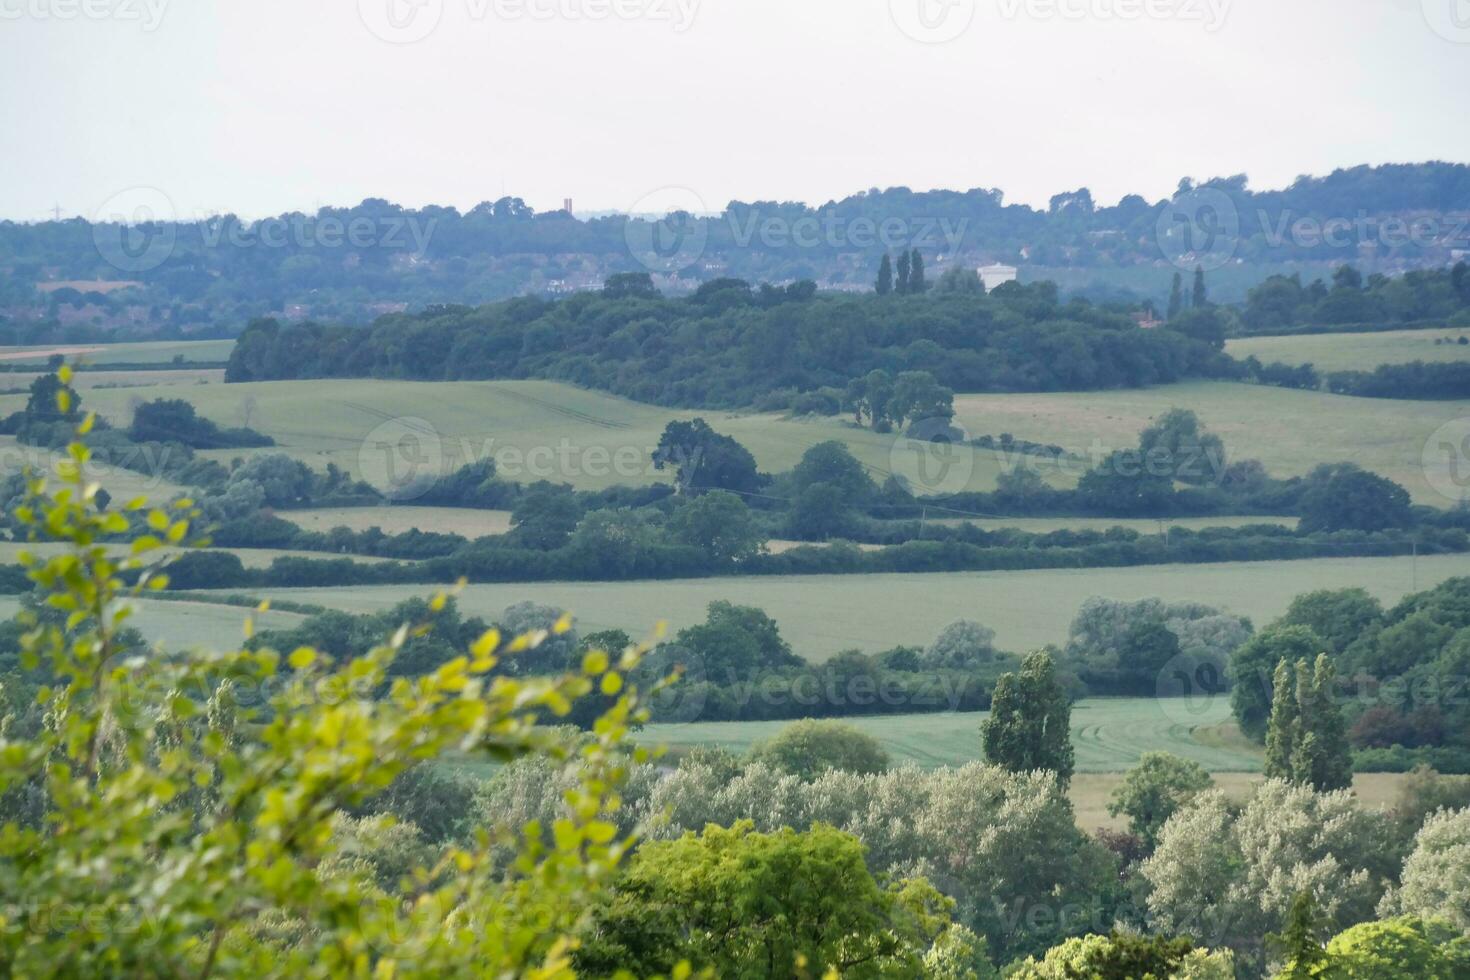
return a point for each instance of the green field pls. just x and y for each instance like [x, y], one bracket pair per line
[1355, 351]
[141, 352]
[534, 430]
[122, 484]
[249, 557]
[1109, 734]
[173, 625]
[1289, 431]
[1045, 525]
[396, 520]
[545, 430]
[823, 614]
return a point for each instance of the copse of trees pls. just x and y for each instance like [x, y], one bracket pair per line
[1282, 304]
[735, 345]
[175, 420]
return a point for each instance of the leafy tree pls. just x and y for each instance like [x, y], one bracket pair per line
[1337, 616]
[1182, 447]
[821, 512]
[1404, 947]
[808, 748]
[1436, 876]
[1198, 298]
[1352, 499]
[719, 524]
[626, 285]
[833, 464]
[1154, 790]
[1253, 666]
[1030, 720]
[704, 459]
[963, 645]
[175, 420]
[961, 279]
[544, 517]
[734, 642]
[1122, 955]
[917, 396]
[1232, 872]
[905, 268]
[750, 904]
[223, 841]
[884, 285]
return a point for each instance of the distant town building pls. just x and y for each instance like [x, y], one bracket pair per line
[995, 275]
[1146, 320]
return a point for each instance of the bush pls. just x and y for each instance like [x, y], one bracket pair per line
[809, 748]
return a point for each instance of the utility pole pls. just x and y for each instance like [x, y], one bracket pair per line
[56, 212]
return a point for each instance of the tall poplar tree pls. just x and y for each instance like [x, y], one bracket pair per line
[884, 286]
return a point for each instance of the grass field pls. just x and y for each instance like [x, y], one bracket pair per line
[249, 557]
[1045, 525]
[1355, 351]
[123, 484]
[141, 352]
[396, 520]
[544, 430]
[1109, 734]
[823, 614]
[189, 625]
[533, 429]
[1289, 431]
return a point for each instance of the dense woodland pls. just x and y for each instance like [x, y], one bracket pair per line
[732, 345]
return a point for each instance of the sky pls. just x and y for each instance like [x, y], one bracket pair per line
[262, 106]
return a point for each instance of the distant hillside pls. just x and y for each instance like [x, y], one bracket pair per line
[353, 264]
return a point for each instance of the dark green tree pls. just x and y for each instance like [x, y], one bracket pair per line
[1176, 297]
[1299, 944]
[884, 285]
[1030, 720]
[1199, 298]
[704, 459]
[905, 269]
[917, 283]
[1253, 668]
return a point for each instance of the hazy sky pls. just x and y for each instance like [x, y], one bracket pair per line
[260, 106]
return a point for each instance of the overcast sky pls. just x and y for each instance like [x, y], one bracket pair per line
[262, 106]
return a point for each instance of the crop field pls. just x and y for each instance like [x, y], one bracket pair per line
[1109, 734]
[395, 520]
[174, 625]
[1045, 525]
[249, 557]
[1289, 431]
[546, 430]
[1356, 351]
[534, 430]
[821, 615]
[140, 352]
[122, 484]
